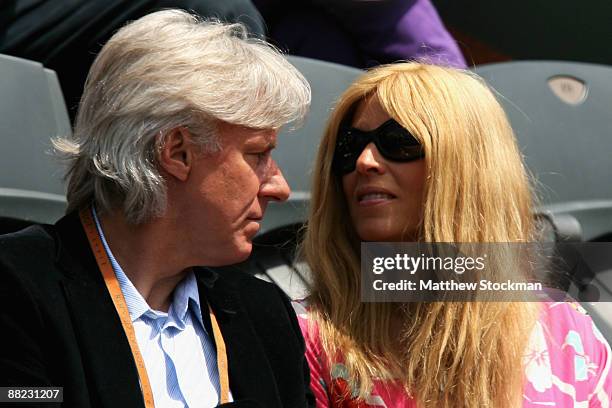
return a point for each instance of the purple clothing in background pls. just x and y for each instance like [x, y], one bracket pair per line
[361, 33]
[420, 34]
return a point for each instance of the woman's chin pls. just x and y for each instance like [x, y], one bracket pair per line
[374, 235]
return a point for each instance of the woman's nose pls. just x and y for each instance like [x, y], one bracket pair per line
[370, 160]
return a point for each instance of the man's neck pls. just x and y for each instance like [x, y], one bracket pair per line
[147, 255]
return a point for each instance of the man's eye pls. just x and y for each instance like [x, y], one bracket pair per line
[261, 156]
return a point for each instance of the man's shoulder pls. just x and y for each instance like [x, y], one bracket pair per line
[258, 298]
[31, 242]
[247, 282]
[28, 252]
[247, 286]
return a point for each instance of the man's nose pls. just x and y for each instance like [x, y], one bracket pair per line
[275, 188]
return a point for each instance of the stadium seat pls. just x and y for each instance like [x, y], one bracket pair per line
[32, 111]
[21, 208]
[560, 112]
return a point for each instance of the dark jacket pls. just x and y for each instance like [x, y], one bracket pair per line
[59, 327]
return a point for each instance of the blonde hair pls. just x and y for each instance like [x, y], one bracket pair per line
[162, 71]
[451, 354]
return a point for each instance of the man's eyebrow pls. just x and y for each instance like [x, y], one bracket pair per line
[263, 144]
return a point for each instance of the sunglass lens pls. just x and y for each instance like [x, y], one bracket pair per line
[345, 155]
[399, 145]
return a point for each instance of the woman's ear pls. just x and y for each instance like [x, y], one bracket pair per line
[176, 153]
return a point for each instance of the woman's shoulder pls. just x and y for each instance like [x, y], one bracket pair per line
[571, 332]
[567, 323]
[308, 326]
[301, 308]
[567, 357]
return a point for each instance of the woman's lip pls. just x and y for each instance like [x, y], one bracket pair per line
[374, 202]
[363, 191]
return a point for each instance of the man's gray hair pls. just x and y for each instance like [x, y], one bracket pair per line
[162, 71]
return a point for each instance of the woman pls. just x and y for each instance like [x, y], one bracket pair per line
[423, 153]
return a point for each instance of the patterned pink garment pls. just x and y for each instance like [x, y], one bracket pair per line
[567, 364]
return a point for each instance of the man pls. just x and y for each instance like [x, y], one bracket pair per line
[169, 168]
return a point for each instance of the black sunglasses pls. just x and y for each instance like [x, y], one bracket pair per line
[392, 140]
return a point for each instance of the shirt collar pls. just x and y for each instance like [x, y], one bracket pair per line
[185, 296]
[136, 304]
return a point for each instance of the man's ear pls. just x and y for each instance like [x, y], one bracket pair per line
[177, 153]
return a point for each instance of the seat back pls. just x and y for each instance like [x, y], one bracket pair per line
[32, 111]
[561, 113]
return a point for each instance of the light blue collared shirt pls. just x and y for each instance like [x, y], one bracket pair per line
[179, 355]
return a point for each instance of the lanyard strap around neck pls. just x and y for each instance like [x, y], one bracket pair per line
[114, 290]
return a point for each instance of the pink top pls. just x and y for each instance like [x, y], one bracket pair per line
[567, 364]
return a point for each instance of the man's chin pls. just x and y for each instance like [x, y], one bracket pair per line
[244, 253]
[251, 229]
[241, 253]
[230, 255]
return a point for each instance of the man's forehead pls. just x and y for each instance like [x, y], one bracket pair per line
[239, 135]
[260, 137]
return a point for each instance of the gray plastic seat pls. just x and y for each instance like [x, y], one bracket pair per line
[561, 113]
[32, 111]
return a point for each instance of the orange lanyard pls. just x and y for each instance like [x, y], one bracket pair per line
[114, 290]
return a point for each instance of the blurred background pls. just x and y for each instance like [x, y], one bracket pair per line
[500, 30]
[65, 35]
